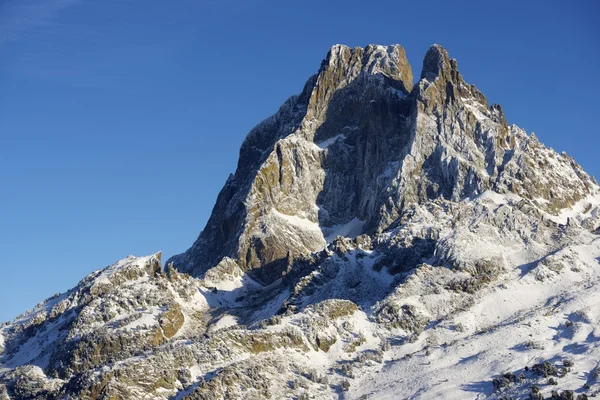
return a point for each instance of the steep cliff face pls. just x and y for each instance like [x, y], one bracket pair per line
[357, 147]
[311, 166]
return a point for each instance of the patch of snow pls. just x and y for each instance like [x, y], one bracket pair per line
[105, 275]
[226, 292]
[590, 205]
[32, 348]
[195, 371]
[498, 198]
[271, 307]
[147, 319]
[383, 277]
[224, 322]
[350, 229]
[299, 222]
[37, 371]
[476, 112]
[198, 301]
[326, 143]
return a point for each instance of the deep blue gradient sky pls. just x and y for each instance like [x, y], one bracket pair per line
[120, 120]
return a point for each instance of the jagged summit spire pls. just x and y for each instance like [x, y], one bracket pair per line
[344, 65]
[390, 61]
[437, 62]
[440, 70]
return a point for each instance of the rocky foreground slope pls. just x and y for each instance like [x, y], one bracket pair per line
[379, 239]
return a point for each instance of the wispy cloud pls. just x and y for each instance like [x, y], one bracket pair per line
[19, 17]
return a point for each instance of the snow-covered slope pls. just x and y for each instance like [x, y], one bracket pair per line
[378, 241]
[537, 312]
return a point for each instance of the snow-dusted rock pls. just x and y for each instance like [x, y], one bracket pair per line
[377, 240]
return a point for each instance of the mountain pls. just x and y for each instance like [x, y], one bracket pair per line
[378, 239]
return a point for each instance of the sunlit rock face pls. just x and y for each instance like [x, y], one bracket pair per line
[357, 147]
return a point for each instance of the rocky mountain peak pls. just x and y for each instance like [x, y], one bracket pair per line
[390, 61]
[343, 65]
[442, 71]
[437, 62]
[372, 239]
[355, 150]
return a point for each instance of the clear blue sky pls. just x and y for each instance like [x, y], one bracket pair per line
[119, 123]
